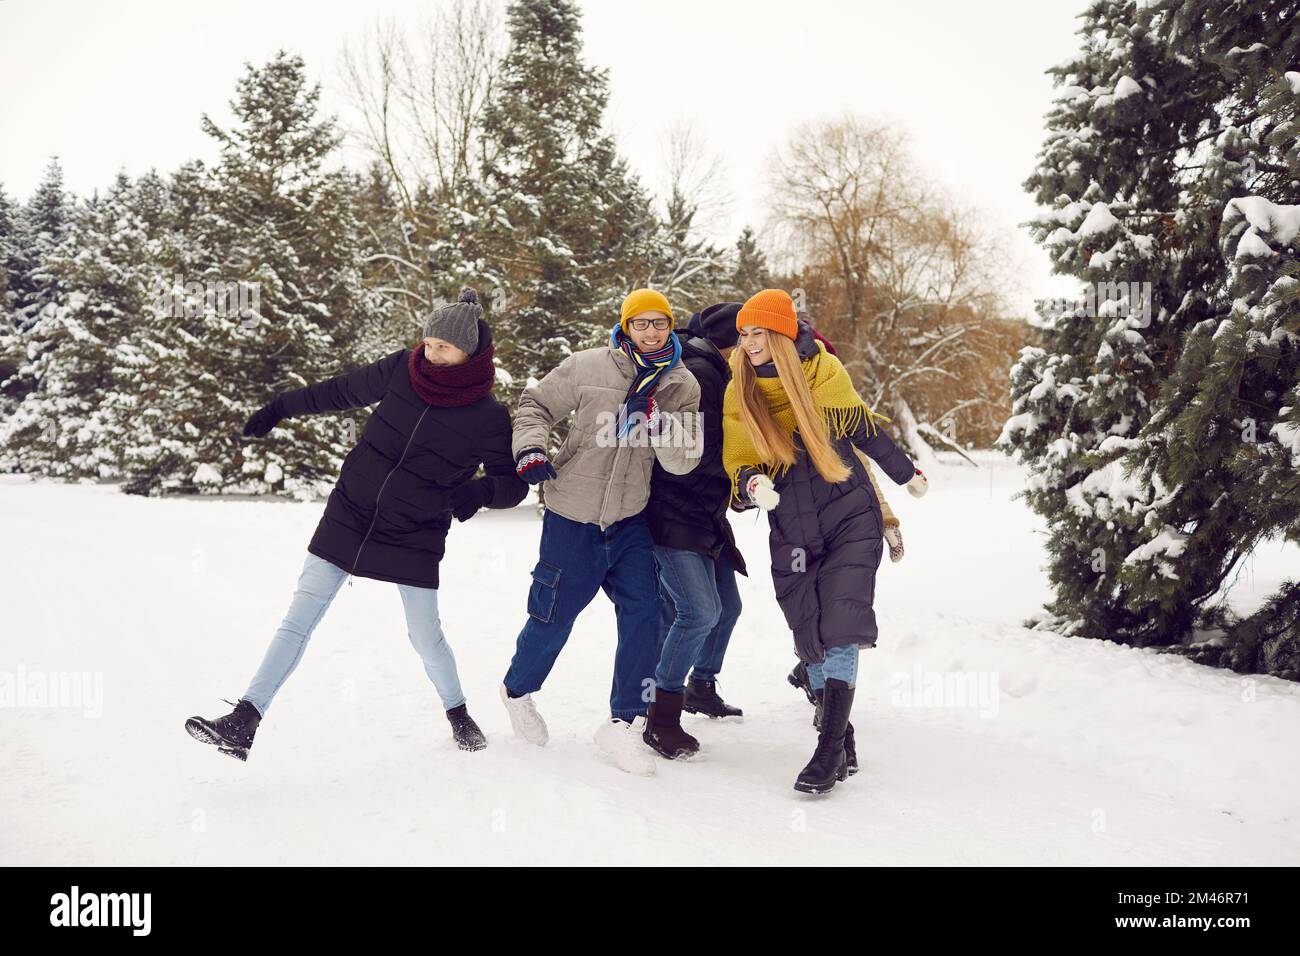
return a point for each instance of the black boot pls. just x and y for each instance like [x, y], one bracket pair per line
[850, 749]
[702, 698]
[464, 730]
[799, 678]
[817, 708]
[663, 727]
[829, 763]
[231, 734]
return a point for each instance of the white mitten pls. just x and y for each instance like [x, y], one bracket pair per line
[762, 493]
[919, 485]
[894, 538]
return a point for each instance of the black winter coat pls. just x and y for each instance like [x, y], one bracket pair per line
[689, 512]
[388, 515]
[826, 542]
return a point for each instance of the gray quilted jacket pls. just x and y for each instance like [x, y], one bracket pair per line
[601, 479]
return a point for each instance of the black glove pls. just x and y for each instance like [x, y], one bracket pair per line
[467, 497]
[264, 419]
[533, 467]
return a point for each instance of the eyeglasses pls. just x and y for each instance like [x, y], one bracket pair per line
[641, 325]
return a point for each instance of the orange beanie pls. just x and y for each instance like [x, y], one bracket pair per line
[770, 309]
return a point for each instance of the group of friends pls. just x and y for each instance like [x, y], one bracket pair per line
[745, 407]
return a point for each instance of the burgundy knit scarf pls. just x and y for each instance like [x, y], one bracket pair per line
[452, 385]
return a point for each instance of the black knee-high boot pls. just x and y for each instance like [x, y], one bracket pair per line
[829, 762]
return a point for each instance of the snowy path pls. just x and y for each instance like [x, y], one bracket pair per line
[1089, 753]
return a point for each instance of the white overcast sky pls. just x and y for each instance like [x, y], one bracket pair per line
[109, 84]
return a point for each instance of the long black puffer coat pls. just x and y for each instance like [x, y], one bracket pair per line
[388, 515]
[826, 541]
[689, 512]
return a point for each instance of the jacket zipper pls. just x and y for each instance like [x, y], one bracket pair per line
[380, 493]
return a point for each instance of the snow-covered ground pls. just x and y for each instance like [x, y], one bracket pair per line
[1070, 752]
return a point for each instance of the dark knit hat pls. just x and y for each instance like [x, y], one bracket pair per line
[717, 323]
[457, 322]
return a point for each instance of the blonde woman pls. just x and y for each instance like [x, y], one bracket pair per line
[791, 422]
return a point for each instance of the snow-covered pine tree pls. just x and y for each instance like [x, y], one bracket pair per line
[751, 273]
[689, 268]
[11, 268]
[1107, 181]
[1224, 437]
[65, 426]
[569, 226]
[1154, 132]
[269, 298]
[47, 216]
[40, 228]
[381, 250]
[456, 250]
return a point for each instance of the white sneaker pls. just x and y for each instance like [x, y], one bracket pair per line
[524, 718]
[622, 741]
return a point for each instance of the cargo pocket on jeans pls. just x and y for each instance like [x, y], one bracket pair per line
[544, 590]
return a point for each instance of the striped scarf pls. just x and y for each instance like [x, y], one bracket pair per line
[650, 366]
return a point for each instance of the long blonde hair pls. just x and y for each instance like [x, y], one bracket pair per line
[770, 440]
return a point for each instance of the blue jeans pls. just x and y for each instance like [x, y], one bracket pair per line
[699, 605]
[319, 582]
[841, 663]
[576, 560]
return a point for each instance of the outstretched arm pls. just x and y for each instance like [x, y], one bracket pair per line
[355, 389]
[882, 450]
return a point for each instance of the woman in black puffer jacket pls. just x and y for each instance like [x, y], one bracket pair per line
[791, 421]
[388, 515]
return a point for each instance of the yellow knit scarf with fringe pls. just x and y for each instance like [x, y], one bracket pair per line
[832, 392]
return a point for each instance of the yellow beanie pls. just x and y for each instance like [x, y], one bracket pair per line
[643, 300]
[770, 309]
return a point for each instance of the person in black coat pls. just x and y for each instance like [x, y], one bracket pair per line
[388, 515]
[792, 419]
[696, 557]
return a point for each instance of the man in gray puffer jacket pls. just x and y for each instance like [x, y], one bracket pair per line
[633, 403]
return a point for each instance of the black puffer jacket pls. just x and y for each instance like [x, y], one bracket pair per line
[826, 540]
[388, 515]
[689, 512]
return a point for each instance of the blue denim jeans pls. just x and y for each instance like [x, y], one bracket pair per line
[576, 560]
[841, 663]
[319, 582]
[699, 605]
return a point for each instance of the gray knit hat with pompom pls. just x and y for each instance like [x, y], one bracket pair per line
[457, 322]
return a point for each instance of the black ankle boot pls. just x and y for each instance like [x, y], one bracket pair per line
[798, 678]
[702, 698]
[464, 731]
[663, 727]
[232, 734]
[829, 762]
